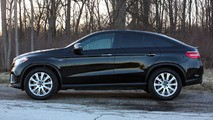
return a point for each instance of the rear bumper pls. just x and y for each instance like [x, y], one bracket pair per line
[194, 81]
[194, 72]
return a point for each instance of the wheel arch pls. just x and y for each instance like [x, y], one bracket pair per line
[53, 68]
[177, 68]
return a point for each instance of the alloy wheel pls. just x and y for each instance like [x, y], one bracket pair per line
[165, 84]
[40, 84]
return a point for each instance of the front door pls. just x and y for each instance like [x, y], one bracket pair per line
[96, 62]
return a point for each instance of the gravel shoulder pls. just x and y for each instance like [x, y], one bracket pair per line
[194, 103]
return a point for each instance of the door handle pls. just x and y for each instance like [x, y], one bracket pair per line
[106, 55]
[150, 54]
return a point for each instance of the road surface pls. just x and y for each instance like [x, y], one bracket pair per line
[105, 105]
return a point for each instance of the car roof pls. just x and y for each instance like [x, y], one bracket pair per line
[145, 32]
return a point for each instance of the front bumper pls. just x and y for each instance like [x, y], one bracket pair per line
[14, 81]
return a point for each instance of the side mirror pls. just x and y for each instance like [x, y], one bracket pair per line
[78, 49]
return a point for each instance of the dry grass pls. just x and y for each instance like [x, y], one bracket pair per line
[4, 77]
[207, 81]
[207, 84]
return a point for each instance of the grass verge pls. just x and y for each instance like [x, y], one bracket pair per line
[4, 77]
[207, 82]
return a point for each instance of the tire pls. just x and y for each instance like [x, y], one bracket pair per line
[40, 83]
[165, 84]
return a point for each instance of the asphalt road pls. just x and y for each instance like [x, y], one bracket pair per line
[76, 105]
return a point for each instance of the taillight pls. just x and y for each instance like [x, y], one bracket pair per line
[193, 54]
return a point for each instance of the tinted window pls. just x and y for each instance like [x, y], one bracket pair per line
[134, 40]
[103, 41]
[162, 41]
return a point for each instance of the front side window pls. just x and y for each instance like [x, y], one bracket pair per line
[102, 41]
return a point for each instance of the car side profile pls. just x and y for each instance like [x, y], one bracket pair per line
[111, 60]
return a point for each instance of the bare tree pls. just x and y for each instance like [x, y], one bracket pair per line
[196, 13]
[4, 31]
[31, 25]
[79, 16]
[9, 35]
[172, 15]
[20, 21]
[16, 28]
[120, 14]
[190, 13]
[212, 18]
[52, 21]
[68, 16]
[145, 14]
[39, 15]
[183, 16]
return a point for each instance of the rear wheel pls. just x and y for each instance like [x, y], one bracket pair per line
[165, 84]
[40, 83]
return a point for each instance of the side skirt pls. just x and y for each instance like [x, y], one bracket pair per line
[107, 86]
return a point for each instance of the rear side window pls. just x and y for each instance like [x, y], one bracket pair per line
[133, 40]
[161, 41]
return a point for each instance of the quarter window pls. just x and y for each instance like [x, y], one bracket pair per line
[162, 42]
[103, 41]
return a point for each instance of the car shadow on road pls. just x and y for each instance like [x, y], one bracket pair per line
[103, 94]
[118, 99]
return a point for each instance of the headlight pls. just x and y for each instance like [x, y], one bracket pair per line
[21, 60]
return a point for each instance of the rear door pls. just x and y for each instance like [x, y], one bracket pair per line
[134, 53]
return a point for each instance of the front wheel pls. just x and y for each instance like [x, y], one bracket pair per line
[40, 83]
[165, 84]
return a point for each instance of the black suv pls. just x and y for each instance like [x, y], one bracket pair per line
[110, 60]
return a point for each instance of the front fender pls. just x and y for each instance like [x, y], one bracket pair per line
[55, 69]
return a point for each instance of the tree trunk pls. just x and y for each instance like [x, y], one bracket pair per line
[146, 10]
[9, 35]
[134, 11]
[67, 27]
[157, 17]
[120, 14]
[16, 28]
[20, 22]
[183, 25]
[190, 13]
[4, 32]
[171, 17]
[31, 25]
[162, 7]
[41, 12]
[212, 19]
[109, 13]
[24, 20]
[79, 17]
[52, 22]
[196, 14]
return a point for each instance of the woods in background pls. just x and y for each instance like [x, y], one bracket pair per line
[29, 25]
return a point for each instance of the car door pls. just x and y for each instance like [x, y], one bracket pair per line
[95, 63]
[134, 53]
